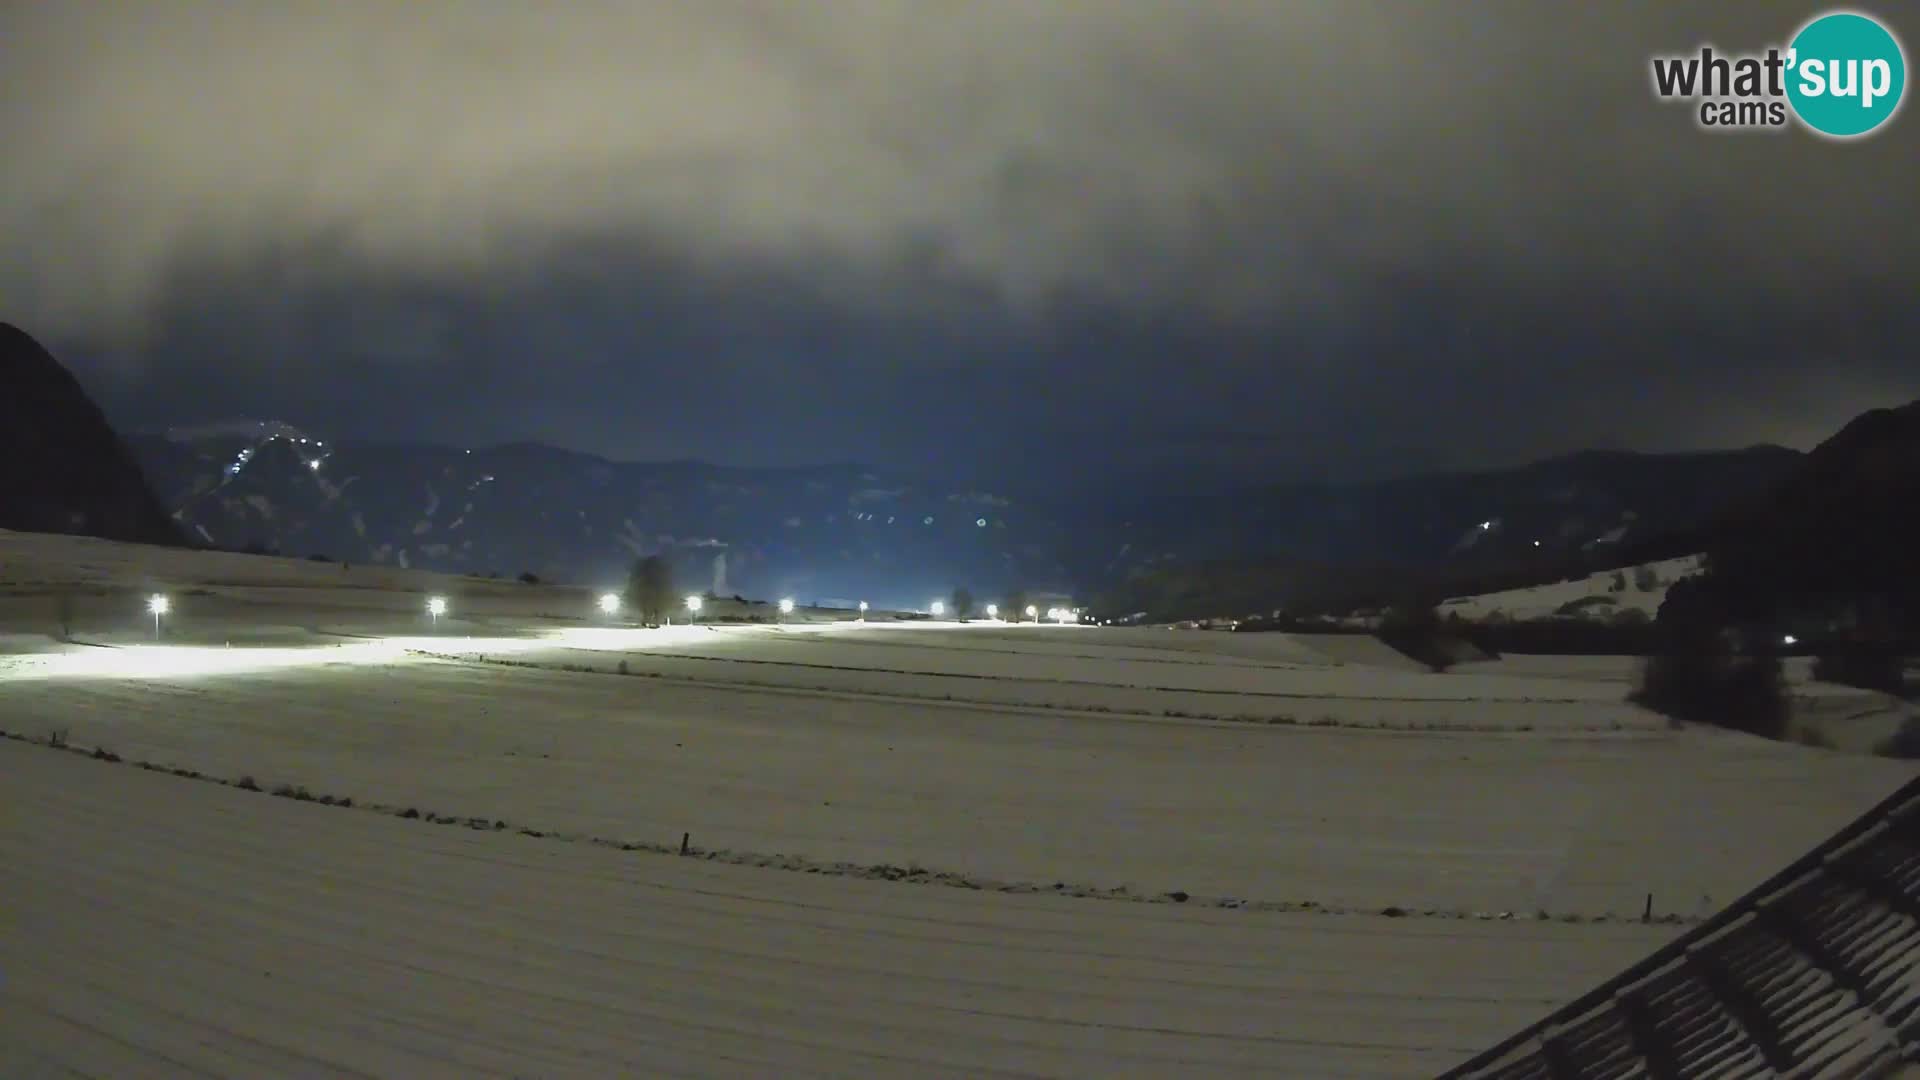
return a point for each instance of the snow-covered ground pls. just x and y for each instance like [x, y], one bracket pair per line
[1600, 595]
[157, 927]
[1271, 779]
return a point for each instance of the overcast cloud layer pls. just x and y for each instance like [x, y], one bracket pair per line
[1323, 238]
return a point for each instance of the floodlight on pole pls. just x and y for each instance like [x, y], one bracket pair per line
[1032, 612]
[938, 609]
[158, 605]
[863, 611]
[610, 603]
[786, 605]
[993, 611]
[693, 607]
[436, 607]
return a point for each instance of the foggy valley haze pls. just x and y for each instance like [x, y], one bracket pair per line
[1084, 244]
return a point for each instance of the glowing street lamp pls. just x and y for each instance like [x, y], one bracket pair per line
[993, 611]
[610, 603]
[1033, 612]
[158, 605]
[693, 607]
[938, 609]
[786, 605]
[863, 611]
[436, 607]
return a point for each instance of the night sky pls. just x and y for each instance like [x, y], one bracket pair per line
[1064, 241]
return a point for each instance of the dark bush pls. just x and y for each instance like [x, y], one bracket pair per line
[1868, 665]
[1904, 743]
[1814, 737]
[1417, 631]
[528, 577]
[318, 557]
[1576, 607]
[1738, 693]
[1697, 677]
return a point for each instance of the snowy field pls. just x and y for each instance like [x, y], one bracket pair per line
[159, 927]
[1047, 793]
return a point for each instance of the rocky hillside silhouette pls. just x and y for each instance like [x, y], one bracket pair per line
[62, 467]
[1840, 535]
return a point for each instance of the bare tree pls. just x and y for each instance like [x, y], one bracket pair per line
[650, 588]
[1014, 607]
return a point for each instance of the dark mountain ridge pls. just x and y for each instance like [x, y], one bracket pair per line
[1839, 535]
[845, 531]
[836, 532]
[62, 467]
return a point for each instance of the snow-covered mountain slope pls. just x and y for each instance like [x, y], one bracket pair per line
[1600, 597]
[809, 531]
[858, 530]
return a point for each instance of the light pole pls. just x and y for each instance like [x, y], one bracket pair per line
[693, 609]
[938, 609]
[993, 611]
[436, 607]
[863, 611]
[610, 604]
[1033, 613]
[786, 605]
[158, 605]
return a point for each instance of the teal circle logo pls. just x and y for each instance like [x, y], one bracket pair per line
[1846, 75]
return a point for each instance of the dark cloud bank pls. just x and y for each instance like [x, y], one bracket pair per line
[1296, 239]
